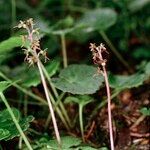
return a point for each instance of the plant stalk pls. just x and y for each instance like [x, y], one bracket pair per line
[81, 121]
[57, 96]
[59, 113]
[109, 108]
[15, 121]
[13, 13]
[35, 97]
[49, 103]
[64, 51]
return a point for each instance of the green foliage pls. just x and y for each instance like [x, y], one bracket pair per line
[8, 129]
[78, 79]
[68, 143]
[145, 111]
[121, 82]
[147, 70]
[80, 99]
[4, 133]
[4, 85]
[141, 52]
[126, 25]
[30, 75]
[98, 19]
[136, 5]
[7, 45]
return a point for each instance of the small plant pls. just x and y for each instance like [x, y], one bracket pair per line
[7, 130]
[98, 59]
[33, 54]
[82, 101]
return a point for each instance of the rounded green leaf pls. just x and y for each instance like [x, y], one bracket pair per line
[121, 82]
[79, 79]
[98, 19]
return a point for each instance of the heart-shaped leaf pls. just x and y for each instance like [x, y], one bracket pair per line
[98, 19]
[121, 82]
[78, 79]
[7, 126]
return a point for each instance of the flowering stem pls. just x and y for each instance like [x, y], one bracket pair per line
[33, 52]
[98, 59]
[56, 95]
[49, 102]
[109, 108]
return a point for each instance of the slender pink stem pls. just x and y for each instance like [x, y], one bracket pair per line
[49, 103]
[98, 59]
[109, 108]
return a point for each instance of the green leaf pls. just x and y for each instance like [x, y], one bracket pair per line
[4, 134]
[67, 142]
[7, 125]
[52, 67]
[141, 53]
[9, 44]
[85, 148]
[80, 99]
[29, 76]
[98, 19]
[103, 148]
[136, 5]
[145, 111]
[147, 71]
[4, 85]
[121, 82]
[32, 77]
[78, 79]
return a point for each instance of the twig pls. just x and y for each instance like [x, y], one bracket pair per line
[138, 121]
[138, 135]
[91, 130]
